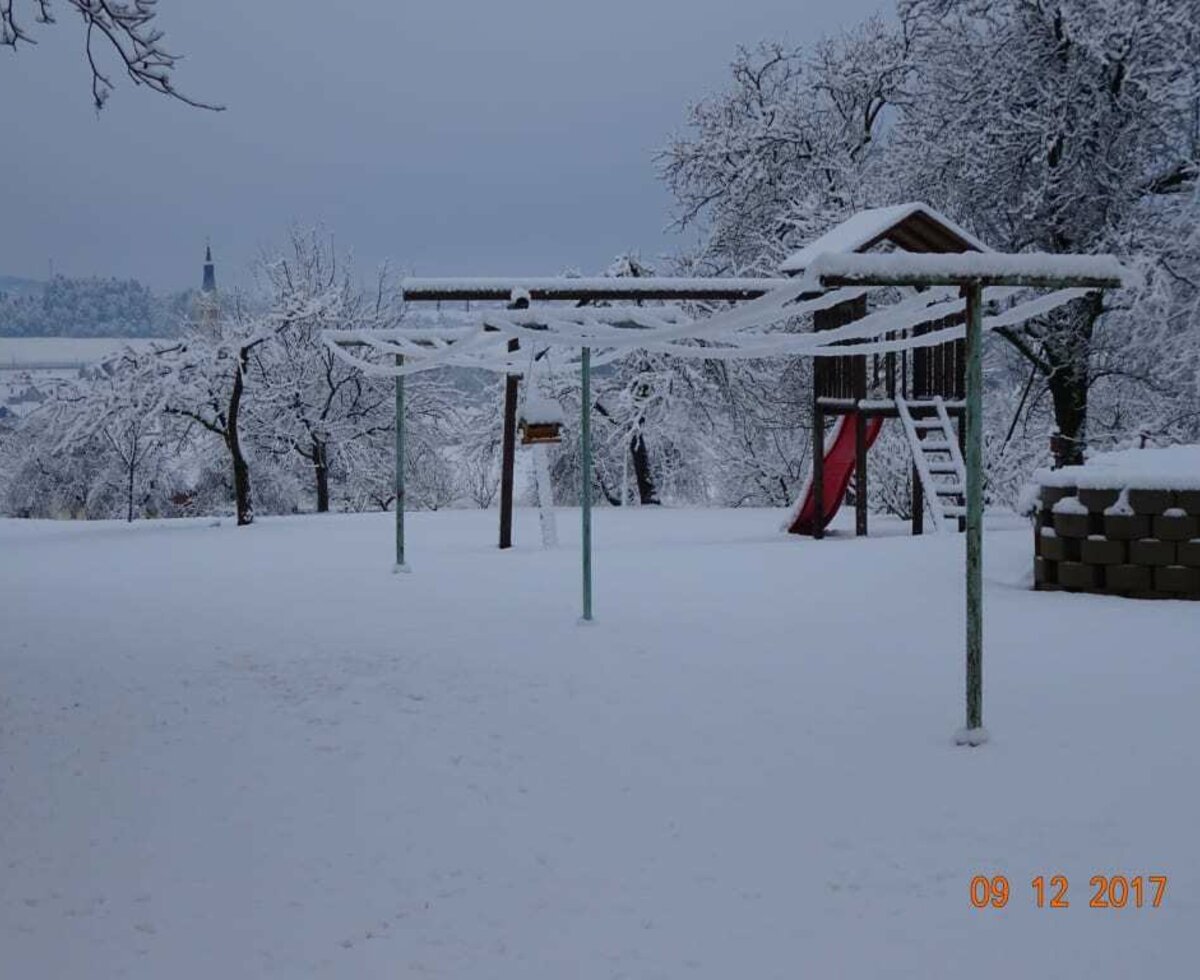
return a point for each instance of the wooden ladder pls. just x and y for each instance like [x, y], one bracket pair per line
[938, 460]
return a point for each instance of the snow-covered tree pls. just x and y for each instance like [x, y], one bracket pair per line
[1059, 126]
[114, 411]
[479, 433]
[791, 147]
[202, 379]
[307, 400]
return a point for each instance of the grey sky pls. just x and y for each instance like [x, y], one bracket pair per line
[460, 136]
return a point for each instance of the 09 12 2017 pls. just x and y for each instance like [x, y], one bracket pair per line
[1107, 891]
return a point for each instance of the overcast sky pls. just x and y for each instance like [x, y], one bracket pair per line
[448, 136]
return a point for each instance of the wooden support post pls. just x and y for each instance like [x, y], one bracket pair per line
[820, 370]
[920, 356]
[918, 502]
[818, 472]
[508, 446]
[973, 733]
[508, 453]
[585, 479]
[401, 501]
[860, 448]
[960, 432]
[860, 473]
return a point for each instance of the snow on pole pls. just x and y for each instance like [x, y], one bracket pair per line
[545, 495]
[585, 479]
[973, 733]
[1036, 269]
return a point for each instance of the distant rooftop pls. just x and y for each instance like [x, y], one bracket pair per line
[62, 353]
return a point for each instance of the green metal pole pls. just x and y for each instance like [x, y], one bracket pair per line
[585, 480]
[974, 733]
[400, 499]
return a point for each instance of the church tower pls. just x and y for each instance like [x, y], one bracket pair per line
[210, 272]
[208, 304]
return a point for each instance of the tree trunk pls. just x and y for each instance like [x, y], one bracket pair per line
[1064, 362]
[1069, 391]
[129, 490]
[241, 470]
[647, 492]
[1069, 379]
[321, 470]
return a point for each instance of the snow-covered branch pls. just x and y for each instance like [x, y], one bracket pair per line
[126, 29]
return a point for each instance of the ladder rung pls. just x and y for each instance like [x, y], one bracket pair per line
[950, 490]
[937, 445]
[942, 467]
[953, 511]
[927, 423]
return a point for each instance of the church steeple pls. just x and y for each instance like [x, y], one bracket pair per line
[210, 273]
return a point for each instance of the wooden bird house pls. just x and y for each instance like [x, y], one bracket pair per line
[540, 421]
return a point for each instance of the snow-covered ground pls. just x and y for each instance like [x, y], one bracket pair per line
[247, 753]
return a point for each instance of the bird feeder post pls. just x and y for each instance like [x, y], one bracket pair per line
[508, 439]
[512, 383]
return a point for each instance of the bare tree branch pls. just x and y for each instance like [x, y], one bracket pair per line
[125, 27]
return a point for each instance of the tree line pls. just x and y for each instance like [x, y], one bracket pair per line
[91, 307]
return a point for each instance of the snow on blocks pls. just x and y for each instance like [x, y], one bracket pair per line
[1127, 523]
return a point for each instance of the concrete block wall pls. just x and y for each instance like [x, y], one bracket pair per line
[1145, 544]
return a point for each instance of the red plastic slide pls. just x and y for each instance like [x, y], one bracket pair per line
[839, 467]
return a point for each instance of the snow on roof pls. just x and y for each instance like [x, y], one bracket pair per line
[34, 353]
[865, 228]
[927, 267]
[541, 411]
[1167, 468]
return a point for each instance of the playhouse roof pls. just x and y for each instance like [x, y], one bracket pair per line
[913, 227]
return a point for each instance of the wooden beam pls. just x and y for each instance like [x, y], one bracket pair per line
[581, 289]
[883, 409]
[917, 278]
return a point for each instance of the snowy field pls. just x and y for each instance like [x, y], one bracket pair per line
[241, 753]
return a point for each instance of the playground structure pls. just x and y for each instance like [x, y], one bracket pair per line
[922, 387]
[942, 303]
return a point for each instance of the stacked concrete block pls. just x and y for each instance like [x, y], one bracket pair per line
[1140, 543]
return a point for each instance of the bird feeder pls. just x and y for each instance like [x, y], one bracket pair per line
[540, 422]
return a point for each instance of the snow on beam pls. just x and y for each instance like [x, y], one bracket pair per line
[1035, 269]
[503, 289]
